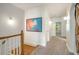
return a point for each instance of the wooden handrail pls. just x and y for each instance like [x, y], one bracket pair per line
[9, 36]
[22, 40]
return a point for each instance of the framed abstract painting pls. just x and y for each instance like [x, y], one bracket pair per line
[34, 24]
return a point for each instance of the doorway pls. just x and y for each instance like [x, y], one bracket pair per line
[58, 29]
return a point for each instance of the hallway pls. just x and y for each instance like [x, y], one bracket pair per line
[35, 24]
[55, 46]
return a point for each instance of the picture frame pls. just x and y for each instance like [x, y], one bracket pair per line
[34, 24]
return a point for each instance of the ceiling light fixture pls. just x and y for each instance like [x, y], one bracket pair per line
[11, 21]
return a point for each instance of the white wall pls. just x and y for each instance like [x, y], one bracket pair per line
[72, 29]
[53, 29]
[37, 38]
[6, 11]
[32, 38]
[64, 23]
[71, 40]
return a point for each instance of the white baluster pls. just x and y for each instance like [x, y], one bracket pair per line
[10, 48]
[5, 47]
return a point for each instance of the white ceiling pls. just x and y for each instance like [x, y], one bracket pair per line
[24, 6]
[58, 9]
[55, 9]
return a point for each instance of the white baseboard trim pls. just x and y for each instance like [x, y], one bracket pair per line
[69, 49]
[75, 53]
[31, 44]
[61, 38]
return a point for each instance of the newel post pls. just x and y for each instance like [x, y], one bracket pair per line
[22, 42]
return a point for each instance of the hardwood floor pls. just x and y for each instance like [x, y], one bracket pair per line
[28, 49]
[56, 46]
